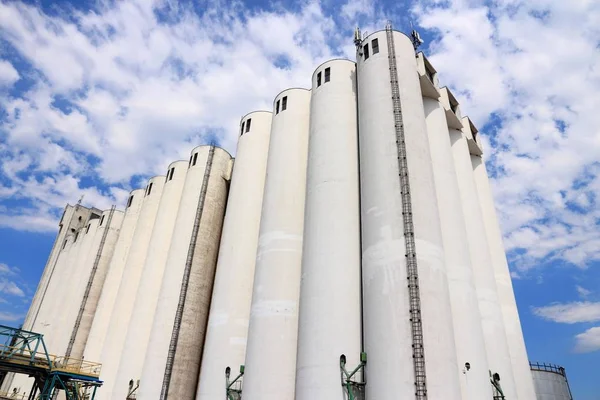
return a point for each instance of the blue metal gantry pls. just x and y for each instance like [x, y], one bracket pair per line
[24, 352]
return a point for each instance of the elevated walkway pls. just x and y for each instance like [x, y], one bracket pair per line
[24, 352]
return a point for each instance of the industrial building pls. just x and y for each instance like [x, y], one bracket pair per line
[352, 250]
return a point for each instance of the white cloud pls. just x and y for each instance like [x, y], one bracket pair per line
[8, 74]
[535, 66]
[7, 270]
[10, 317]
[588, 341]
[583, 292]
[570, 313]
[11, 288]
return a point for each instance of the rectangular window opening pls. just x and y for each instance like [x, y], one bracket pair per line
[248, 125]
[171, 174]
[429, 73]
[366, 51]
[149, 189]
[87, 230]
[190, 161]
[318, 79]
[195, 159]
[242, 130]
[65, 244]
[76, 236]
[131, 199]
[375, 46]
[101, 221]
[284, 103]
[327, 74]
[277, 108]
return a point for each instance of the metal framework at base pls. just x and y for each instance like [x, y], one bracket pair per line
[234, 387]
[355, 389]
[24, 352]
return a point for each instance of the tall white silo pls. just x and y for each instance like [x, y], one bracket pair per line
[273, 330]
[330, 294]
[174, 350]
[506, 295]
[489, 307]
[119, 320]
[97, 262]
[110, 289]
[404, 316]
[468, 332]
[142, 315]
[226, 334]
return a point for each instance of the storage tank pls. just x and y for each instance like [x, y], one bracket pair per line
[468, 332]
[489, 307]
[550, 382]
[175, 347]
[273, 329]
[132, 272]
[399, 209]
[142, 315]
[506, 295]
[227, 330]
[108, 296]
[330, 293]
[99, 255]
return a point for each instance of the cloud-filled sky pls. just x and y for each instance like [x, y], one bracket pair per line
[97, 96]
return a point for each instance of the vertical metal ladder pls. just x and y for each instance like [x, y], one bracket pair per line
[186, 278]
[90, 282]
[409, 232]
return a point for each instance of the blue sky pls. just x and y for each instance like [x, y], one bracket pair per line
[95, 97]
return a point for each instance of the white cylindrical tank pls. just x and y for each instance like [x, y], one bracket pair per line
[106, 302]
[175, 347]
[330, 294]
[142, 315]
[387, 325]
[489, 308]
[273, 329]
[506, 294]
[115, 338]
[227, 330]
[100, 254]
[468, 333]
[550, 382]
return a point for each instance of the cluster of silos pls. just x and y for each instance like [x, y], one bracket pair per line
[358, 219]
[67, 296]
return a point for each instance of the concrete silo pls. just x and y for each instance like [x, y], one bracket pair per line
[140, 323]
[99, 253]
[330, 296]
[123, 307]
[408, 329]
[489, 307]
[226, 335]
[273, 329]
[173, 355]
[110, 289]
[550, 382]
[468, 332]
[506, 295]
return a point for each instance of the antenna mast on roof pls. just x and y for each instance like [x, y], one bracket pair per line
[415, 37]
[357, 38]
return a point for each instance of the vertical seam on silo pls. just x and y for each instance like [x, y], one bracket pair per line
[90, 282]
[186, 278]
[360, 238]
[409, 239]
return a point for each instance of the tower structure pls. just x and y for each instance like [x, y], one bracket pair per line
[351, 250]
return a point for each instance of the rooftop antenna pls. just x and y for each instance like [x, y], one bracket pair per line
[357, 38]
[80, 199]
[415, 37]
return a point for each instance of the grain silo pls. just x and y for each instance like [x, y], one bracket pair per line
[550, 382]
[273, 329]
[227, 329]
[330, 297]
